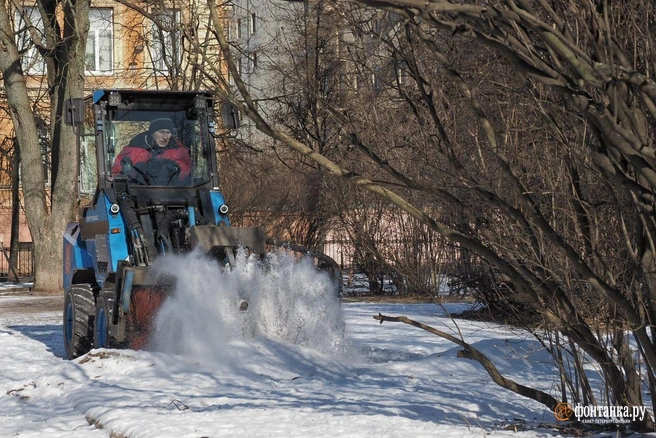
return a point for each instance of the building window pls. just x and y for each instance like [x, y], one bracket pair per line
[376, 79]
[165, 40]
[31, 61]
[402, 74]
[227, 23]
[99, 56]
[238, 28]
[358, 82]
[252, 23]
[378, 26]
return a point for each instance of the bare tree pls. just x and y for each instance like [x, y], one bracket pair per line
[539, 177]
[297, 83]
[60, 40]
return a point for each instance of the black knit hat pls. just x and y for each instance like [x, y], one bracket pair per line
[163, 123]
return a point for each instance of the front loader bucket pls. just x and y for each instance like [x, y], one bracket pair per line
[145, 302]
[141, 299]
[210, 237]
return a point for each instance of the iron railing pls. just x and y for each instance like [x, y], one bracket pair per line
[24, 265]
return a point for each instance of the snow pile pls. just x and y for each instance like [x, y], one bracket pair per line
[288, 300]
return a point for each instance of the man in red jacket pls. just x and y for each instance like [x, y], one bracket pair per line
[155, 157]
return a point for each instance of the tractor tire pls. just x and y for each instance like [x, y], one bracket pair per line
[103, 319]
[79, 310]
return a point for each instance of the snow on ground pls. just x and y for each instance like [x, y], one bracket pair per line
[271, 380]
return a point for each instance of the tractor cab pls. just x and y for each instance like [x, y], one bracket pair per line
[118, 143]
[131, 119]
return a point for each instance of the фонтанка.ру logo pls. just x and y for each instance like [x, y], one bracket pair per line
[599, 414]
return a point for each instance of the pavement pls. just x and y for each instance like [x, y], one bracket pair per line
[18, 298]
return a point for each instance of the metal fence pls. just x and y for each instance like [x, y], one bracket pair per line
[341, 251]
[25, 264]
[430, 252]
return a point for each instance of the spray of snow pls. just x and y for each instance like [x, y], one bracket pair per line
[288, 300]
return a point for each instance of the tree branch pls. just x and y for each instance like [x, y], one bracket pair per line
[470, 352]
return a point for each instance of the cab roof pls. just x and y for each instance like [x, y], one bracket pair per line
[130, 97]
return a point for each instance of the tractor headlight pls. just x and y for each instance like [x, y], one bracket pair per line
[114, 99]
[223, 209]
[114, 209]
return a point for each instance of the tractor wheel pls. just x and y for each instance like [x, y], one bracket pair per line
[78, 320]
[104, 312]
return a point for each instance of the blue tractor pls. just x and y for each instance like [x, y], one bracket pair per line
[135, 215]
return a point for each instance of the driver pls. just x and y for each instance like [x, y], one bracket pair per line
[155, 157]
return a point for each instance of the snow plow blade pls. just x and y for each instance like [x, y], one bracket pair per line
[210, 237]
[145, 302]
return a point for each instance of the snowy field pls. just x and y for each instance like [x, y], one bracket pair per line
[328, 370]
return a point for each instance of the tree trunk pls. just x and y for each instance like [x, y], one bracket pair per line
[20, 109]
[47, 256]
[65, 62]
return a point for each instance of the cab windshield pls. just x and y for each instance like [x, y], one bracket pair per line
[157, 148]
